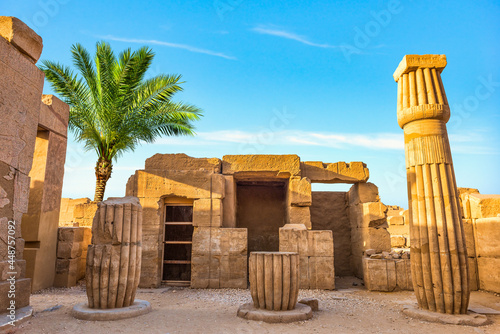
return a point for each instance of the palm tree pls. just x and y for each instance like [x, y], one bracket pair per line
[113, 108]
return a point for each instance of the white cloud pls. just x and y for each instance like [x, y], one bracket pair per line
[289, 35]
[168, 44]
[267, 137]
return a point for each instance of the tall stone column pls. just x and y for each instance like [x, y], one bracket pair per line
[438, 253]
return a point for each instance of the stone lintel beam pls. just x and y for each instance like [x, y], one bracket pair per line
[278, 164]
[54, 115]
[22, 37]
[338, 172]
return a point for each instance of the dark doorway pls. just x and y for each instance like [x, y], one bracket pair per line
[261, 209]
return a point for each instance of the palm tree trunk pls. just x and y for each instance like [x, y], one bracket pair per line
[103, 170]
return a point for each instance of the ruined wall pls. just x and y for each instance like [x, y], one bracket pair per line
[316, 254]
[399, 226]
[72, 246]
[368, 218]
[21, 85]
[481, 215]
[215, 263]
[40, 223]
[329, 211]
[77, 212]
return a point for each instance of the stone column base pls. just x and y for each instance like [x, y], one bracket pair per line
[301, 312]
[83, 312]
[469, 319]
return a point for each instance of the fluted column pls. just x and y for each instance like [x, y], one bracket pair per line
[438, 253]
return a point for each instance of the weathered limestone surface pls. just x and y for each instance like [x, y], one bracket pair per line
[315, 249]
[182, 162]
[368, 220]
[21, 111]
[207, 212]
[299, 191]
[274, 280]
[338, 172]
[72, 246]
[219, 258]
[329, 211]
[276, 164]
[77, 212]
[439, 255]
[17, 33]
[41, 221]
[113, 266]
[387, 274]
[488, 253]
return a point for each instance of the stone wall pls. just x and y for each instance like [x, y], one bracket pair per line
[220, 242]
[72, 245]
[315, 250]
[27, 123]
[481, 215]
[77, 212]
[368, 219]
[399, 226]
[40, 223]
[330, 211]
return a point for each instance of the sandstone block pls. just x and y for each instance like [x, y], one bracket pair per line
[229, 202]
[484, 206]
[276, 164]
[319, 243]
[69, 250]
[233, 241]
[206, 240]
[321, 273]
[207, 212]
[182, 161]
[66, 273]
[19, 269]
[293, 240]
[372, 238]
[233, 272]
[339, 172]
[304, 282]
[488, 236]
[469, 237]
[23, 291]
[70, 234]
[299, 191]
[489, 273]
[395, 220]
[403, 274]
[21, 36]
[54, 115]
[299, 215]
[473, 277]
[363, 193]
[379, 274]
[398, 241]
[178, 183]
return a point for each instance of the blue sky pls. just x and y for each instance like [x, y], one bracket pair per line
[312, 78]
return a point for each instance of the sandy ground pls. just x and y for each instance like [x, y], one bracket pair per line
[349, 309]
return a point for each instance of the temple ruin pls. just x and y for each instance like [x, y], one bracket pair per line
[203, 217]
